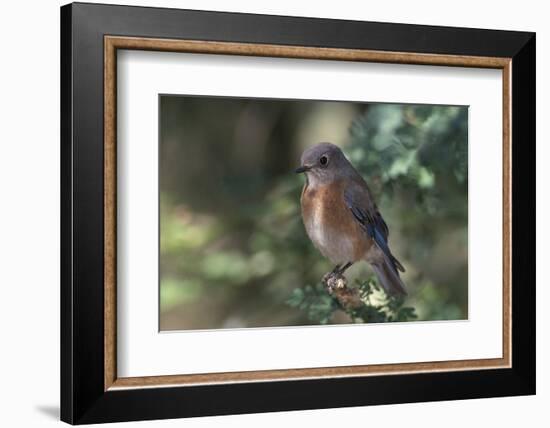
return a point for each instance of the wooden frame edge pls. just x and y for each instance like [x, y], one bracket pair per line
[299, 374]
[112, 43]
[109, 198]
[507, 213]
[301, 52]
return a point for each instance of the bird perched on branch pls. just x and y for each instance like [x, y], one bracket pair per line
[341, 218]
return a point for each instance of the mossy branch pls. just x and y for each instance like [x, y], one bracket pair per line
[333, 294]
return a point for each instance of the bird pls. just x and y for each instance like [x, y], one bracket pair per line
[342, 219]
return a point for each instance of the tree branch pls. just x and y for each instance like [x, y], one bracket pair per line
[337, 286]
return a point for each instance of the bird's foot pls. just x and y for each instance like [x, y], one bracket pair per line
[337, 286]
[334, 281]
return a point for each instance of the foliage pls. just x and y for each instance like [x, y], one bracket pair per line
[320, 306]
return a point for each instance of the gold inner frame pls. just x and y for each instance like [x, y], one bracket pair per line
[112, 43]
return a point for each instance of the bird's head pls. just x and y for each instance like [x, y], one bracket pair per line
[324, 163]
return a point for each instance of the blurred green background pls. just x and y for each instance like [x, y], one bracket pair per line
[233, 249]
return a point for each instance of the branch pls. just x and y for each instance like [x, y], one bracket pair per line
[332, 293]
[337, 286]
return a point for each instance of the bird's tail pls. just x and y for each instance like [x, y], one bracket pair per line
[389, 278]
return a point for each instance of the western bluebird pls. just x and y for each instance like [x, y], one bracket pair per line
[341, 218]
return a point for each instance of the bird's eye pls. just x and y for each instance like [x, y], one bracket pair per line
[323, 161]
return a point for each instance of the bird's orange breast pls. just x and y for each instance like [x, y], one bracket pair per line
[331, 225]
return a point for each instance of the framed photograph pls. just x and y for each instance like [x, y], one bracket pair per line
[266, 213]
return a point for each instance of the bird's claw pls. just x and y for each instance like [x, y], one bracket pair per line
[334, 280]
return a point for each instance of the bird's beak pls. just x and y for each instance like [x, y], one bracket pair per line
[301, 169]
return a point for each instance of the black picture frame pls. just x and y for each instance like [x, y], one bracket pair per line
[83, 398]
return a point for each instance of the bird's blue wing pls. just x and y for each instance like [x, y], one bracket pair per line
[370, 219]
